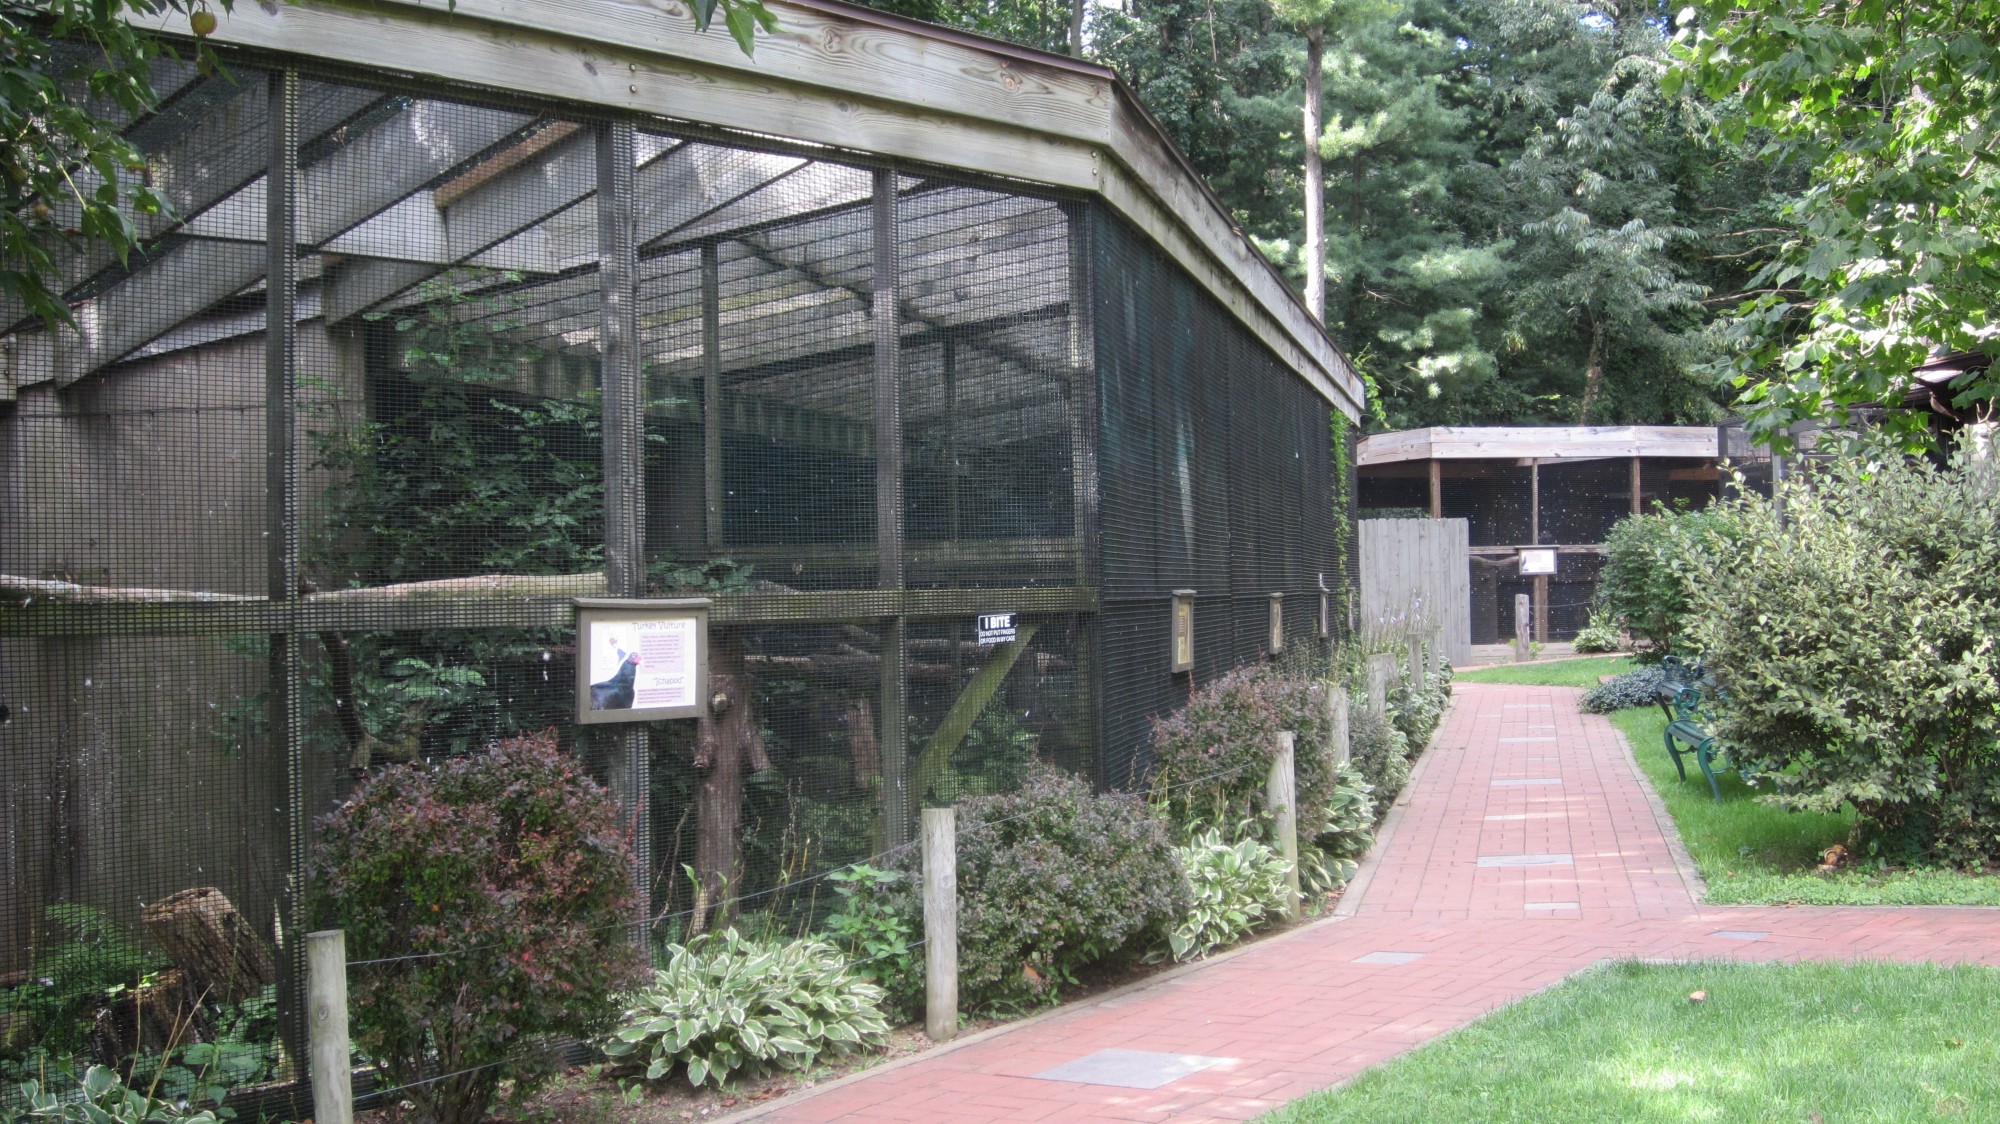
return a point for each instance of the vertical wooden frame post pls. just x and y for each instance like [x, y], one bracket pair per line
[1637, 481]
[940, 846]
[332, 1064]
[1541, 606]
[282, 522]
[1281, 796]
[885, 311]
[711, 393]
[624, 467]
[1437, 489]
[1521, 626]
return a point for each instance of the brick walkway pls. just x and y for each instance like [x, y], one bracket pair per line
[1526, 848]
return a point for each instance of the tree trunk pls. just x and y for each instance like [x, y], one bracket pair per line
[1076, 28]
[201, 932]
[1593, 372]
[725, 741]
[1315, 252]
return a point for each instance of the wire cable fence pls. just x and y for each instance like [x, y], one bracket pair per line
[727, 906]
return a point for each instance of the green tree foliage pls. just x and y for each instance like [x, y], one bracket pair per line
[72, 72]
[1652, 564]
[1857, 644]
[1523, 223]
[1896, 246]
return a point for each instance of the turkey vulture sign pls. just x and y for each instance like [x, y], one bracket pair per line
[641, 661]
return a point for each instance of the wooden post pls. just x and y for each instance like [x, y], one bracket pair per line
[332, 1067]
[1417, 664]
[940, 923]
[1437, 490]
[1336, 718]
[1635, 486]
[1381, 669]
[1535, 502]
[1281, 796]
[888, 401]
[711, 393]
[1521, 626]
[282, 531]
[1541, 608]
[624, 444]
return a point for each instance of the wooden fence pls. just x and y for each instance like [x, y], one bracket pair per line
[1415, 571]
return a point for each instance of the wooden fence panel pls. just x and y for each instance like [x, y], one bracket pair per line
[1416, 570]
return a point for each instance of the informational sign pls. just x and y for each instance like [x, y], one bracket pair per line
[641, 661]
[1182, 658]
[996, 628]
[1538, 561]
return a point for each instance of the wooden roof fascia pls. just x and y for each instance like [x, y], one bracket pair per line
[1543, 443]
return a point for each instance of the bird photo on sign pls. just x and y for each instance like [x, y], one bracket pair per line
[642, 664]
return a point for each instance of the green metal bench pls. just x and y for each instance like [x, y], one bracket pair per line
[1681, 700]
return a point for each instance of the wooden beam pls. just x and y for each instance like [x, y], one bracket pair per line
[204, 160]
[1635, 485]
[383, 165]
[482, 602]
[965, 710]
[1546, 443]
[925, 95]
[1437, 491]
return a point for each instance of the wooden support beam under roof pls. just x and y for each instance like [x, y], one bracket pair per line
[1530, 443]
[195, 162]
[840, 76]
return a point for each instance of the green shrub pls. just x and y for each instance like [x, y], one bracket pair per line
[1858, 651]
[86, 957]
[1052, 880]
[505, 875]
[1600, 635]
[1417, 707]
[1213, 755]
[1634, 688]
[1234, 887]
[726, 1004]
[99, 1097]
[881, 944]
[1651, 565]
[1379, 753]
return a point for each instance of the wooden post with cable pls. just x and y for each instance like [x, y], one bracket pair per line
[331, 1059]
[940, 843]
[1281, 796]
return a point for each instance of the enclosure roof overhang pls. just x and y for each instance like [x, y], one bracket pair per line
[1546, 443]
[832, 75]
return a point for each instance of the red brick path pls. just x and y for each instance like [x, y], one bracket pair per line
[1526, 848]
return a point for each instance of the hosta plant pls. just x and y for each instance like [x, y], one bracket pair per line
[99, 1097]
[1235, 887]
[726, 1004]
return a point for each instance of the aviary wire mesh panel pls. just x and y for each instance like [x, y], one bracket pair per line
[1215, 467]
[262, 537]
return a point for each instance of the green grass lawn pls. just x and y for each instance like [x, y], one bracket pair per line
[1753, 853]
[1554, 673]
[1830, 1043]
